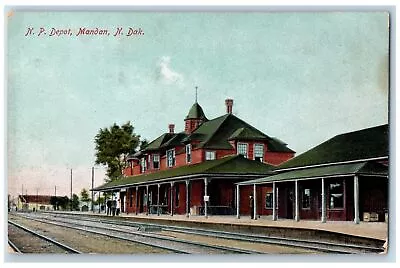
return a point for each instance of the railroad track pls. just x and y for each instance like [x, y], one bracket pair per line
[317, 245]
[160, 241]
[64, 247]
[14, 247]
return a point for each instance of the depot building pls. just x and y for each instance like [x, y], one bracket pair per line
[225, 166]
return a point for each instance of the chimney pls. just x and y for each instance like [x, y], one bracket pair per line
[171, 128]
[229, 104]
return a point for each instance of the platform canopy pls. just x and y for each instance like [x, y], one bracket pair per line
[235, 166]
[350, 169]
[365, 144]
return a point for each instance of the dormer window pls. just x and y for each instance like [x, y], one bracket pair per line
[242, 149]
[259, 152]
[188, 153]
[171, 158]
[156, 161]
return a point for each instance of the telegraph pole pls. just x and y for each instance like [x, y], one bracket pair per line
[55, 196]
[71, 189]
[22, 196]
[92, 188]
[37, 198]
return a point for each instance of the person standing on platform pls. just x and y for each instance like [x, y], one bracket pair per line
[114, 206]
[117, 208]
[251, 203]
[108, 207]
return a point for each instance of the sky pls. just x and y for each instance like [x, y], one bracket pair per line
[300, 77]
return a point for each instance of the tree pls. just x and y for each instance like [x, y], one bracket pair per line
[64, 202]
[113, 145]
[84, 195]
[143, 144]
[58, 202]
[53, 202]
[75, 202]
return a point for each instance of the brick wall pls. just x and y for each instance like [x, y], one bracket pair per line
[276, 159]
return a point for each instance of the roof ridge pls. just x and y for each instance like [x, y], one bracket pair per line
[217, 128]
[169, 141]
[360, 130]
[251, 127]
[164, 134]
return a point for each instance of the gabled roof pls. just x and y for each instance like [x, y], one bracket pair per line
[158, 142]
[229, 165]
[276, 145]
[360, 168]
[362, 144]
[40, 199]
[196, 112]
[208, 129]
[216, 133]
[247, 134]
[164, 141]
[176, 140]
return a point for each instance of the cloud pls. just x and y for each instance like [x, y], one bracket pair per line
[166, 74]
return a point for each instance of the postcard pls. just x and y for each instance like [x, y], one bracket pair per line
[160, 132]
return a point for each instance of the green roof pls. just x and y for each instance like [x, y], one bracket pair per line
[158, 142]
[360, 168]
[196, 112]
[363, 144]
[247, 134]
[216, 133]
[166, 140]
[176, 140]
[229, 165]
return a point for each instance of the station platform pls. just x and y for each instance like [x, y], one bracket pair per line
[373, 230]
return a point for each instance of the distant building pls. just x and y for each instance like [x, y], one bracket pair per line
[34, 202]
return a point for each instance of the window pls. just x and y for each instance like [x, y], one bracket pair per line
[156, 161]
[259, 152]
[143, 165]
[336, 195]
[306, 199]
[171, 158]
[242, 149]
[210, 155]
[269, 200]
[188, 153]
